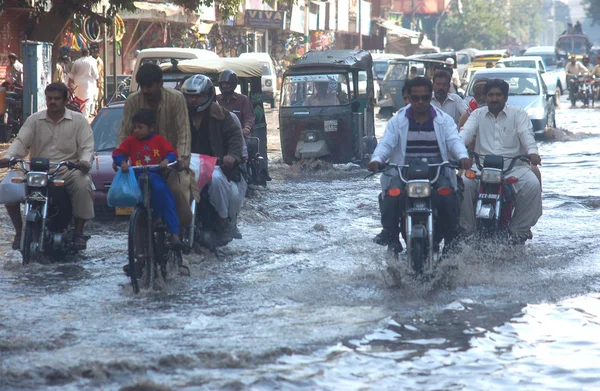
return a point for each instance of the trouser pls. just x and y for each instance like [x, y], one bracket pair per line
[179, 182]
[528, 203]
[445, 221]
[100, 100]
[162, 202]
[261, 133]
[226, 196]
[79, 188]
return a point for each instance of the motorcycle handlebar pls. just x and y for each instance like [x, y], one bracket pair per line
[439, 166]
[152, 166]
[14, 161]
[513, 161]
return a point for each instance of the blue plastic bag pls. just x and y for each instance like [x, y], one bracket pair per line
[124, 190]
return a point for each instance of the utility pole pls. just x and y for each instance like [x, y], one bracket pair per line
[553, 22]
[306, 31]
[412, 10]
[359, 21]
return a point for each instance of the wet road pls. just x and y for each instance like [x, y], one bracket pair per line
[304, 302]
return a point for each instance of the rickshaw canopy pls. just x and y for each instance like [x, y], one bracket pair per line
[243, 67]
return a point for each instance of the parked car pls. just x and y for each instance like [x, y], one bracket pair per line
[269, 77]
[537, 63]
[161, 55]
[527, 90]
[554, 67]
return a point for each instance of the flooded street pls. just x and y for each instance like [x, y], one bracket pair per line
[304, 302]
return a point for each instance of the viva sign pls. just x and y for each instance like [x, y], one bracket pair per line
[265, 19]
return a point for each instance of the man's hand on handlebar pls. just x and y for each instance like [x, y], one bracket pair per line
[164, 163]
[84, 166]
[4, 162]
[229, 161]
[373, 166]
[466, 163]
[535, 159]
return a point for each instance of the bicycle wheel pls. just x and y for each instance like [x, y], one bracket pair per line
[177, 43]
[142, 270]
[199, 44]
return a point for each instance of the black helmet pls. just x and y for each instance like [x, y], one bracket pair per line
[196, 85]
[228, 76]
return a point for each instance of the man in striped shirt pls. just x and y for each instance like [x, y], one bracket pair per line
[418, 131]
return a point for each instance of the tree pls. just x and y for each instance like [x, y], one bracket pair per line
[53, 15]
[592, 10]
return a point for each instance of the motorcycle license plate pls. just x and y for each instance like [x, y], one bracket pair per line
[121, 211]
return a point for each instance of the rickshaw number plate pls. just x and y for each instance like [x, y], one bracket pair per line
[331, 126]
[120, 211]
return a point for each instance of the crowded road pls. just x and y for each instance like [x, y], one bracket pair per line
[304, 302]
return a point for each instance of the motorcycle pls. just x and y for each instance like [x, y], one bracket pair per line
[13, 117]
[48, 212]
[256, 165]
[495, 195]
[417, 181]
[580, 89]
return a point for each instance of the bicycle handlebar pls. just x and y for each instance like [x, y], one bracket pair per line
[152, 166]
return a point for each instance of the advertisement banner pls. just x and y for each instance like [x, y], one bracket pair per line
[297, 21]
[322, 19]
[332, 15]
[365, 17]
[313, 17]
[265, 19]
[343, 20]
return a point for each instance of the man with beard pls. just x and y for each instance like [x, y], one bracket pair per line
[172, 123]
[449, 103]
[58, 134]
[504, 130]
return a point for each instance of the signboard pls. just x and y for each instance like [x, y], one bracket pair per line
[420, 6]
[343, 20]
[365, 18]
[265, 19]
[297, 21]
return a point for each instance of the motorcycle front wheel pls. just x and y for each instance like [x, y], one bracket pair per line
[417, 255]
[30, 236]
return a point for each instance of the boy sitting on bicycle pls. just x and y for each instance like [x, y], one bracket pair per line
[145, 148]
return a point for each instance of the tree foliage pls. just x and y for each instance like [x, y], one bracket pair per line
[592, 10]
[485, 24]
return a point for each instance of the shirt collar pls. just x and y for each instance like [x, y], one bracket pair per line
[448, 97]
[67, 115]
[410, 115]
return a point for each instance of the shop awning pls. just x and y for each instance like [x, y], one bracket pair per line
[159, 12]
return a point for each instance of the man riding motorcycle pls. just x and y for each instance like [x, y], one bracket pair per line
[418, 131]
[215, 133]
[58, 134]
[504, 130]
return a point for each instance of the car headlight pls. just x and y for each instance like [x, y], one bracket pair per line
[310, 137]
[268, 83]
[535, 111]
[491, 175]
[418, 189]
[37, 179]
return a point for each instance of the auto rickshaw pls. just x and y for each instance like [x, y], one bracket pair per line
[399, 72]
[327, 107]
[249, 72]
[574, 44]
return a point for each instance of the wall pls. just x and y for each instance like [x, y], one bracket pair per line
[12, 32]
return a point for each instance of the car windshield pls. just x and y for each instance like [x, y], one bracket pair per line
[519, 83]
[314, 90]
[398, 71]
[380, 68]
[266, 71]
[106, 128]
[518, 64]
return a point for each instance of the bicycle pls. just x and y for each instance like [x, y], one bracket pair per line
[225, 45]
[196, 41]
[148, 247]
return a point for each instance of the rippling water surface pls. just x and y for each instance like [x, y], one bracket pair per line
[304, 301]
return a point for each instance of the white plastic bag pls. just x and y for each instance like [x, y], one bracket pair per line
[12, 193]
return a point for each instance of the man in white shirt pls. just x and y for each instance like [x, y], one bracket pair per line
[500, 129]
[575, 67]
[85, 74]
[450, 104]
[15, 70]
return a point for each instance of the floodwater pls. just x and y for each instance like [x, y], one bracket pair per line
[304, 301]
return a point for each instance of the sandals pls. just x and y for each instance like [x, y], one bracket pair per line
[79, 243]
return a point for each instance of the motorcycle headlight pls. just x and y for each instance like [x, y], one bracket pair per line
[37, 179]
[535, 111]
[310, 137]
[268, 83]
[491, 175]
[418, 189]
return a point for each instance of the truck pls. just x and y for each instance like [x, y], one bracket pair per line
[554, 73]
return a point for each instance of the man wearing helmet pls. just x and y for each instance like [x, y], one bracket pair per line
[236, 103]
[216, 133]
[172, 123]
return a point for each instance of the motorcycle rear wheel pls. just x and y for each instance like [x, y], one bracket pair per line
[417, 256]
[142, 269]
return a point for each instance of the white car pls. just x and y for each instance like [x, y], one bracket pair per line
[269, 76]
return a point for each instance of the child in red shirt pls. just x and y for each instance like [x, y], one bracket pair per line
[144, 148]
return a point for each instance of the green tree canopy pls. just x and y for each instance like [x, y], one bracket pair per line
[592, 10]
